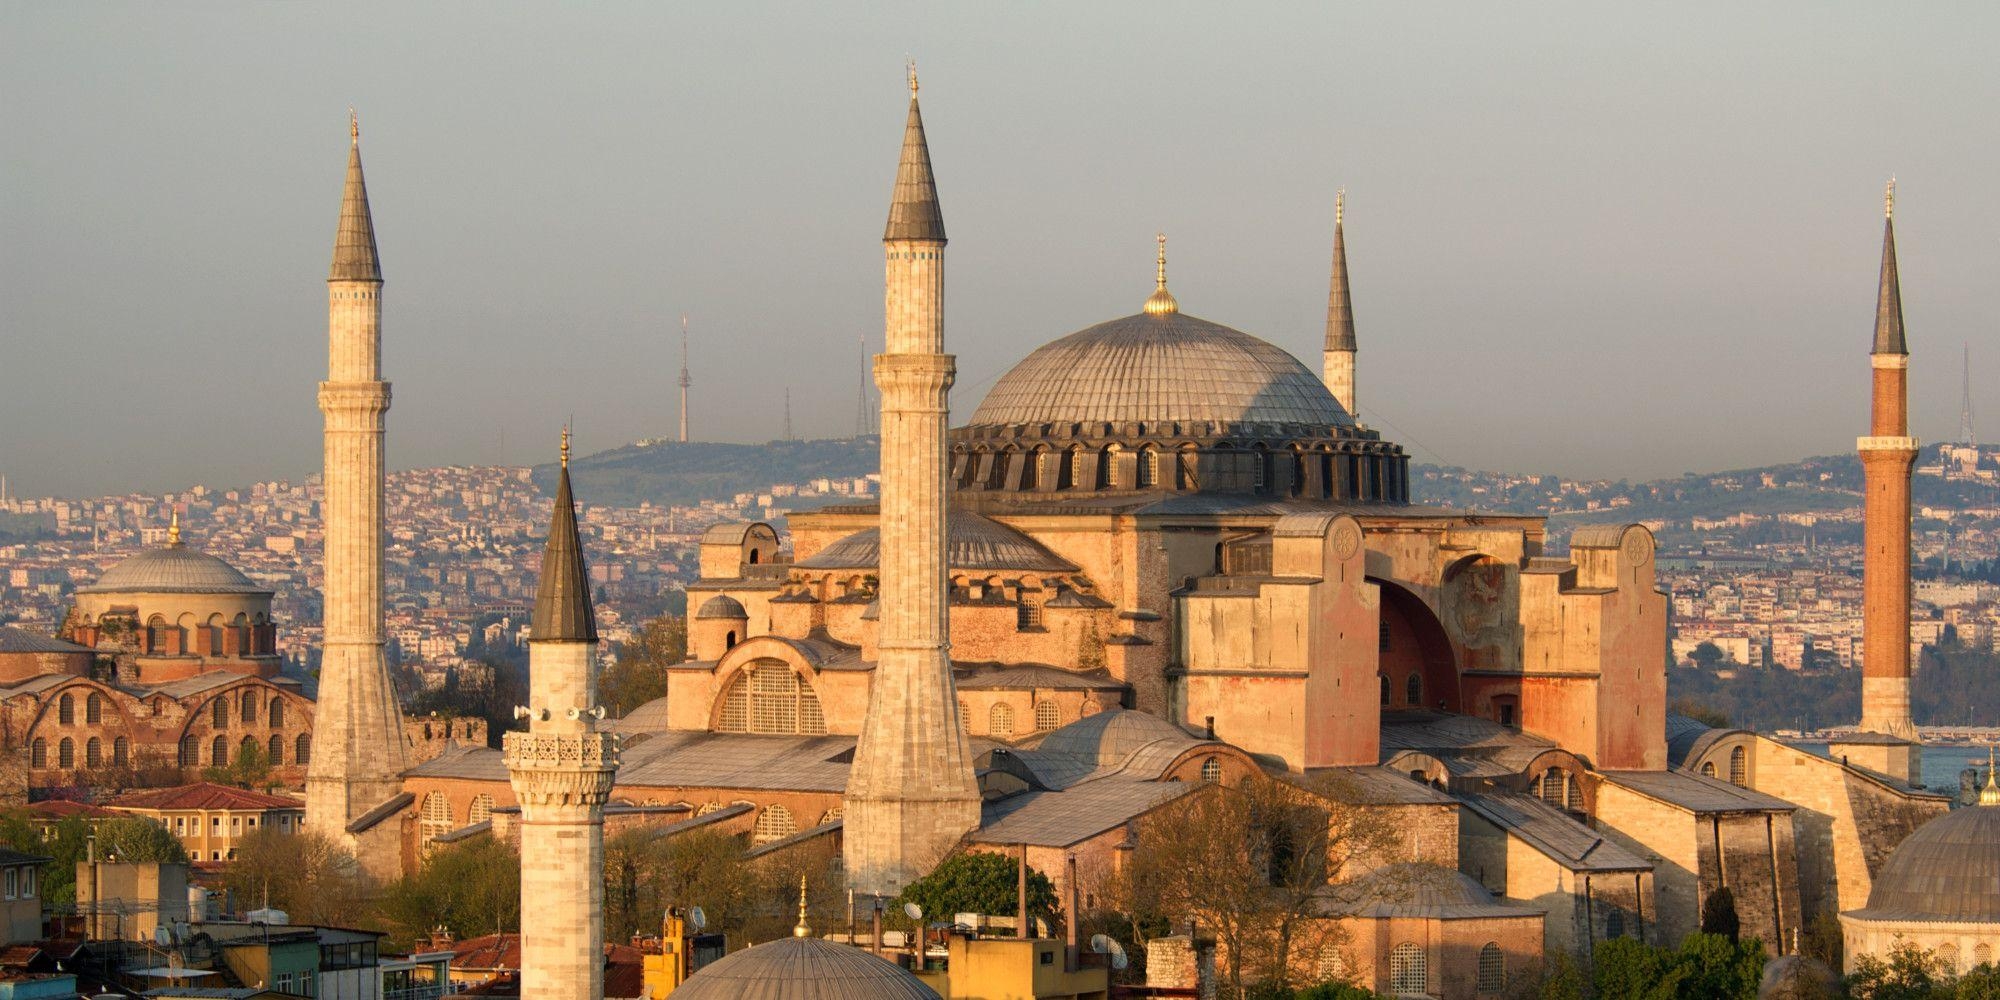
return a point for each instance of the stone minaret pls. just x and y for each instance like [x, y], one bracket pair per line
[911, 794]
[1886, 456]
[562, 771]
[1337, 357]
[358, 751]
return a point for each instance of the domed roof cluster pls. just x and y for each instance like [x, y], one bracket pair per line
[803, 968]
[175, 569]
[1949, 870]
[1165, 367]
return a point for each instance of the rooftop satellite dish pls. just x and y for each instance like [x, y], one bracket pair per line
[1104, 945]
[696, 918]
[163, 936]
[913, 911]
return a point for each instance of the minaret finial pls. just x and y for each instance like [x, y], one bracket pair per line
[802, 929]
[913, 79]
[1161, 303]
[174, 529]
[354, 125]
[1339, 205]
[565, 446]
[1889, 198]
[1990, 795]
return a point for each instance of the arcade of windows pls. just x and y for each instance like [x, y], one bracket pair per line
[771, 698]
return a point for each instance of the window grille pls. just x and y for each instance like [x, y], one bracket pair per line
[1492, 969]
[1409, 974]
[93, 709]
[774, 823]
[93, 753]
[1211, 770]
[302, 752]
[276, 749]
[218, 751]
[66, 753]
[66, 710]
[1000, 720]
[1047, 716]
[121, 751]
[482, 809]
[1739, 771]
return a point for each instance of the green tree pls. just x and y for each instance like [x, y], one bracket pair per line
[639, 673]
[1707, 655]
[1561, 979]
[645, 873]
[472, 888]
[1910, 973]
[309, 875]
[981, 882]
[1704, 967]
[250, 768]
[1336, 991]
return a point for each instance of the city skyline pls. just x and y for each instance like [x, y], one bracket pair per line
[1698, 219]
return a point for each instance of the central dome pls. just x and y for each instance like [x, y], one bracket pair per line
[1160, 368]
[173, 570]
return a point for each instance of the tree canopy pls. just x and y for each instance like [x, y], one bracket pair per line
[981, 882]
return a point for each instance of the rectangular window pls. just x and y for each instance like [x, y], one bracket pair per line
[1382, 635]
[12, 888]
[1048, 958]
[27, 883]
[253, 821]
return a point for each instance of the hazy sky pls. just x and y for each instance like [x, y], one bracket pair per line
[1590, 239]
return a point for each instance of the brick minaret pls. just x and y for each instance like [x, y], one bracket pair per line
[358, 745]
[1886, 456]
[1337, 357]
[911, 794]
[562, 770]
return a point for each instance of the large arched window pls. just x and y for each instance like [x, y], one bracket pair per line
[433, 818]
[1409, 974]
[218, 712]
[1574, 802]
[38, 753]
[121, 751]
[218, 751]
[771, 698]
[1553, 787]
[249, 706]
[66, 753]
[302, 749]
[1147, 473]
[1614, 924]
[1982, 954]
[277, 713]
[1047, 716]
[774, 823]
[481, 810]
[1331, 965]
[93, 752]
[190, 751]
[1708, 769]
[66, 709]
[1492, 968]
[1947, 954]
[1413, 690]
[1000, 720]
[1211, 770]
[93, 709]
[248, 747]
[276, 750]
[1739, 769]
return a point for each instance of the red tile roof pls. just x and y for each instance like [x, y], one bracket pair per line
[60, 809]
[203, 795]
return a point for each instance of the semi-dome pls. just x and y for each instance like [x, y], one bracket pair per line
[1949, 870]
[175, 569]
[972, 542]
[803, 968]
[1160, 367]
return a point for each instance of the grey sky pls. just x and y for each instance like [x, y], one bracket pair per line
[1589, 239]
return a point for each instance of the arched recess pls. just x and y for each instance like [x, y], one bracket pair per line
[768, 694]
[1413, 642]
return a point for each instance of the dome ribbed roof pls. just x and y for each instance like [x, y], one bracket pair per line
[1948, 870]
[175, 569]
[1170, 367]
[972, 542]
[803, 969]
[722, 606]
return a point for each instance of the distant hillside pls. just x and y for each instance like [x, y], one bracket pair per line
[669, 472]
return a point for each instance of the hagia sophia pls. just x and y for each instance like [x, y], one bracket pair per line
[1160, 555]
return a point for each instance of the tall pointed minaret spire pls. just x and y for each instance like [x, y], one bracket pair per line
[358, 747]
[1887, 454]
[562, 771]
[1337, 357]
[911, 793]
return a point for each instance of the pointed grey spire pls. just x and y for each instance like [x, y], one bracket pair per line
[1889, 298]
[914, 213]
[354, 257]
[562, 595]
[1339, 309]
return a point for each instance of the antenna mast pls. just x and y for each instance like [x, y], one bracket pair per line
[1965, 402]
[685, 380]
[788, 413]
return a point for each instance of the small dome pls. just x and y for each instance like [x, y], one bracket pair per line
[1949, 870]
[972, 542]
[1159, 367]
[1111, 737]
[175, 569]
[722, 606]
[803, 968]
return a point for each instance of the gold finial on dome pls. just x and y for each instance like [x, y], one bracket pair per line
[802, 929]
[1990, 795]
[1889, 198]
[1161, 302]
[174, 529]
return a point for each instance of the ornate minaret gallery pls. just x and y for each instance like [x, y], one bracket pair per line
[358, 745]
[562, 771]
[1337, 357]
[1887, 454]
[911, 794]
